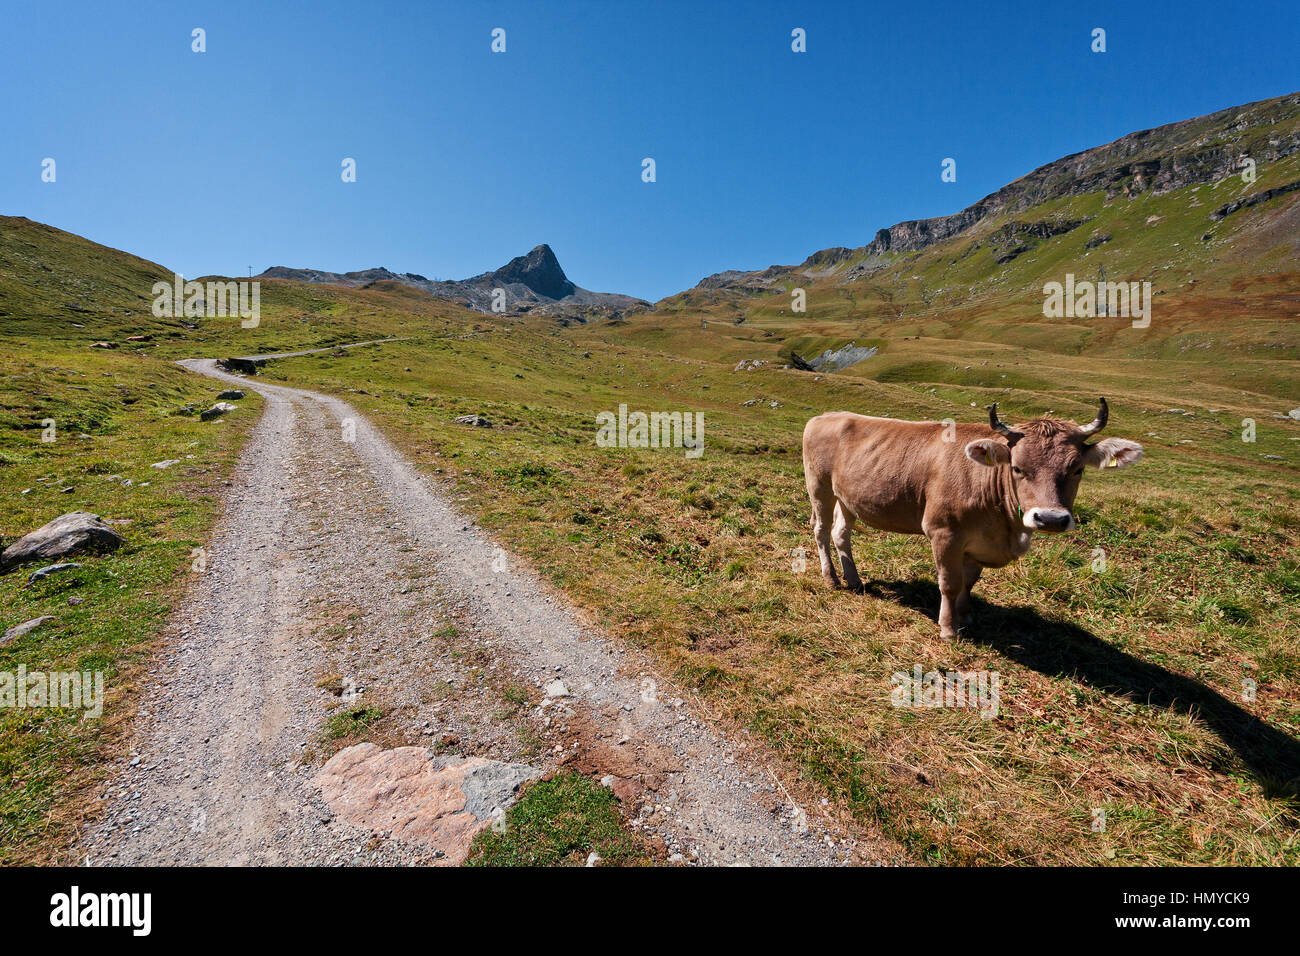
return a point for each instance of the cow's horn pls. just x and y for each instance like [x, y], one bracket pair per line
[1098, 423]
[996, 424]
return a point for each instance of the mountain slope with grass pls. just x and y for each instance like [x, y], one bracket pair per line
[1174, 205]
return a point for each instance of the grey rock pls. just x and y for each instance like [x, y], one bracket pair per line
[76, 532]
[478, 421]
[18, 630]
[216, 411]
[491, 787]
[233, 395]
[832, 360]
[51, 569]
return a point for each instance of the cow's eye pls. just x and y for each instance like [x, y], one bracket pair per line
[1078, 471]
[1016, 469]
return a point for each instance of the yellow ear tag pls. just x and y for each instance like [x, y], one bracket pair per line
[1111, 463]
[988, 457]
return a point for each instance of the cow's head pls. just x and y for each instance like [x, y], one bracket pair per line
[1047, 457]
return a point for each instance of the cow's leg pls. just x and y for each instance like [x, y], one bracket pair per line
[823, 515]
[972, 574]
[842, 535]
[951, 563]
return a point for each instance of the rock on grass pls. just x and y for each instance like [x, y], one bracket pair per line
[77, 532]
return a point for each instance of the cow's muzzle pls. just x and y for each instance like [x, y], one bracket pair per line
[1049, 519]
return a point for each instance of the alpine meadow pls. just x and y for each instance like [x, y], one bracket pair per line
[381, 568]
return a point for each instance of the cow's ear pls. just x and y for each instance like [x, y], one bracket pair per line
[988, 451]
[1112, 453]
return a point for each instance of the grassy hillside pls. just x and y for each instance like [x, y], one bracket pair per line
[1220, 282]
[60, 288]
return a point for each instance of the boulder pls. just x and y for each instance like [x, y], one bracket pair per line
[77, 532]
[478, 421]
[233, 395]
[439, 802]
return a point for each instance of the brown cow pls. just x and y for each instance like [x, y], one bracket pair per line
[978, 492]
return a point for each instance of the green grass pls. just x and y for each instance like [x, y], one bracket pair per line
[1124, 687]
[350, 723]
[559, 822]
[114, 414]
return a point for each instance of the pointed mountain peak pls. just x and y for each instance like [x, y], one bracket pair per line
[539, 271]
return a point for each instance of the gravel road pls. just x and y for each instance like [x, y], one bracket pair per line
[338, 560]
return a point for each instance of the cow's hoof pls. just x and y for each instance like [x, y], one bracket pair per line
[855, 587]
[948, 634]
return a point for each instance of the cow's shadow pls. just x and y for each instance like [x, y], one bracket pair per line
[1066, 650]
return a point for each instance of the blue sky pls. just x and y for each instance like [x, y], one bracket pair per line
[212, 162]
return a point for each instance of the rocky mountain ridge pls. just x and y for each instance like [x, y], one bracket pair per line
[1202, 150]
[534, 282]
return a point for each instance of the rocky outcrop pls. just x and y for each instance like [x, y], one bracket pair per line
[1253, 200]
[832, 360]
[1191, 152]
[77, 532]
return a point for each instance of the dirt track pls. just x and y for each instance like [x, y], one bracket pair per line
[337, 554]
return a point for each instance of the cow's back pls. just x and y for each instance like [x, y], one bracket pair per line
[878, 468]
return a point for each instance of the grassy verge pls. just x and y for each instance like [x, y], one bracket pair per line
[114, 414]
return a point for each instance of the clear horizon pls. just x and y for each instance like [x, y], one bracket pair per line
[212, 162]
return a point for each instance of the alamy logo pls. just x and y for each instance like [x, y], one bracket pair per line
[656, 430]
[75, 908]
[976, 689]
[1089, 299]
[71, 690]
[193, 300]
